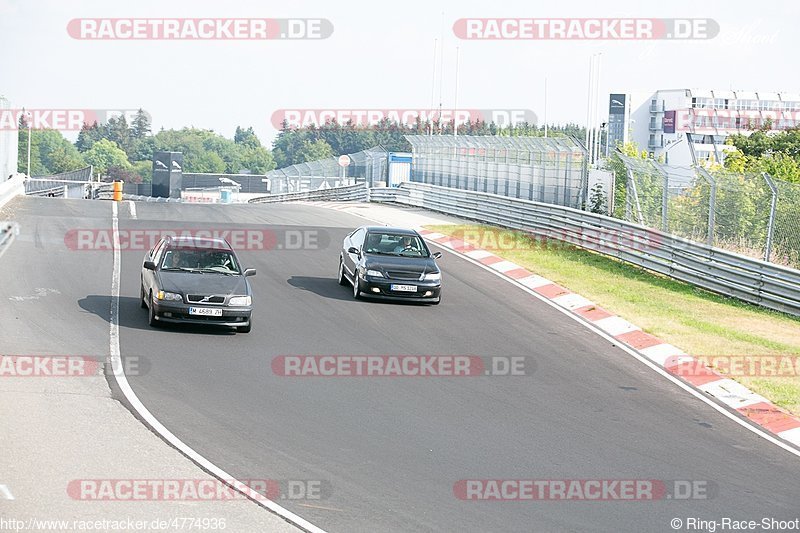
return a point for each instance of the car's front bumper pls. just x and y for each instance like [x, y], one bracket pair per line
[178, 312]
[382, 288]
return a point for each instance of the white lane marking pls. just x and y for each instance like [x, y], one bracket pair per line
[477, 254]
[132, 205]
[4, 490]
[504, 266]
[40, 293]
[732, 393]
[792, 435]
[661, 353]
[572, 301]
[519, 283]
[147, 416]
[533, 281]
[614, 325]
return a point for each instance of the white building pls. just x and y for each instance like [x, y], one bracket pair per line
[665, 122]
[9, 140]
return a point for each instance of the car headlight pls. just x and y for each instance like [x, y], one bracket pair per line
[433, 276]
[376, 273]
[240, 300]
[169, 296]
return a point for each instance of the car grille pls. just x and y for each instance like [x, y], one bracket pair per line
[402, 274]
[198, 298]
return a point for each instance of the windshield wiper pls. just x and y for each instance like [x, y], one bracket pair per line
[383, 253]
[184, 269]
[215, 271]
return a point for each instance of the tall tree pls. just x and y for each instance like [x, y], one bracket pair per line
[140, 127]
[105, 154]
[88, 136]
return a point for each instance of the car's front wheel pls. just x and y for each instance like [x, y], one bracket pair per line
[342, 278]
[142, 303]
[356, 286]
[151, 313]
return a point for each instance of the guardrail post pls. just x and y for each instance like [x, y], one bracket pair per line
[772, 210]
[632, 187]
[712, 204]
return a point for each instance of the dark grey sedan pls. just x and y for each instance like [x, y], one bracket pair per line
[390, 263]
[196, 281]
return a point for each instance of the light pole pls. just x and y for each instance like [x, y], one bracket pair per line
[30, 117]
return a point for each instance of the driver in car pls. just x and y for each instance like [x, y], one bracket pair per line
[173, 260]
[406, 244]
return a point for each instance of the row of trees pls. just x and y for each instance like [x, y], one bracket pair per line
[123, 150]
[742, 200]
[299, 145]
[777, 153]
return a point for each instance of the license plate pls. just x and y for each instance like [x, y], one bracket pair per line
[404, 288]
[205, 311]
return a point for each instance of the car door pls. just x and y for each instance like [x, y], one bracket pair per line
[355, 240]
[148, 276]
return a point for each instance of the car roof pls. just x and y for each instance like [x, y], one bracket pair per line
[183, 242]
[389, 229]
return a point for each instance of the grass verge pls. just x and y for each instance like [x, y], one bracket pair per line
[701, 323]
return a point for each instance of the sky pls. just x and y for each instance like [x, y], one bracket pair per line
[379, 56]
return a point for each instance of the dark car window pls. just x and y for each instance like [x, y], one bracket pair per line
[200, 260]
[386, 243]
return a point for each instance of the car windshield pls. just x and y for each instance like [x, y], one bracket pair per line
[200, 260]
[398, 244]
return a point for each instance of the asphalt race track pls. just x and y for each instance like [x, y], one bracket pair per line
[389, 449]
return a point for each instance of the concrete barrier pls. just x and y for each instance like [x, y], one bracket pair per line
[11, 188]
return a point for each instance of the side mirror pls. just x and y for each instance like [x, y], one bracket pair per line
[437, 255]
[353, 250]
[250, 272]
[149, 265]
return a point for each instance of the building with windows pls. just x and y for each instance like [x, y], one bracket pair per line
[667, 122]
[9, 141]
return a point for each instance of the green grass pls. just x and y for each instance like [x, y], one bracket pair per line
[699, 322]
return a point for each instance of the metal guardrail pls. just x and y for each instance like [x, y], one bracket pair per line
[8, 231]
[347, 193]
[716, 270]
[156, 199]
[57, 191]
[388, 194]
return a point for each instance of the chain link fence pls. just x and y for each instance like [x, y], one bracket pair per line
[552, 170]
[749, 213]
[368, 166]
[60, 184]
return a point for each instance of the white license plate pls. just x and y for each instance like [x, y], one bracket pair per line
[404, 288]
[205, 311]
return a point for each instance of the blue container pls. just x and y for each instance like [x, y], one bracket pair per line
[225, 196]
